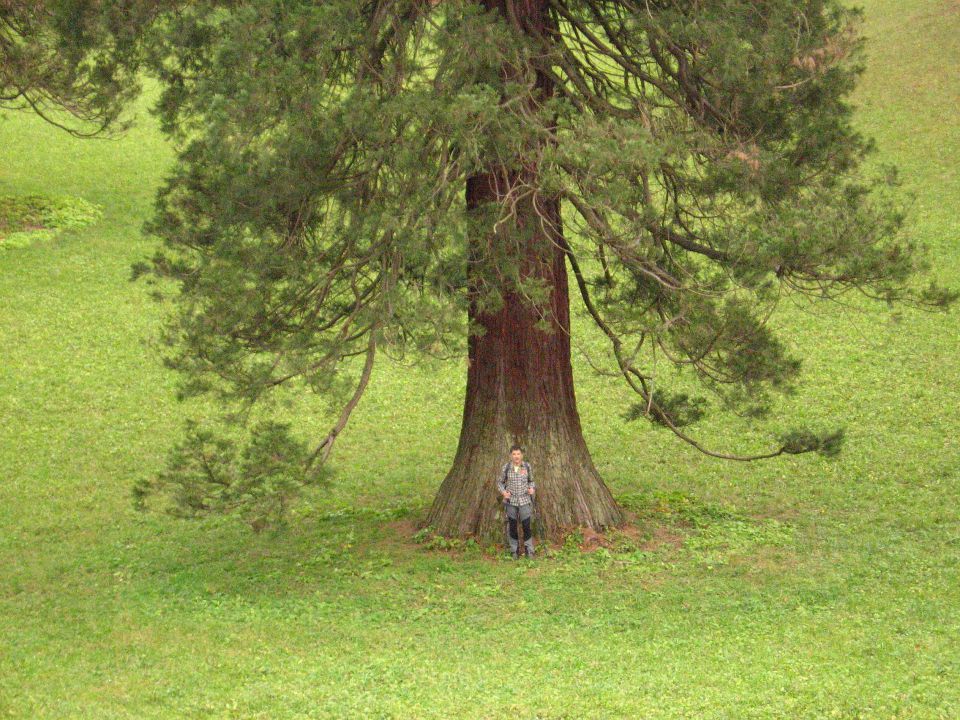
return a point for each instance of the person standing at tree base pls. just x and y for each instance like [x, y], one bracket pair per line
[515, 483]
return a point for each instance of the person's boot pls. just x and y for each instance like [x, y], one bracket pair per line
[528, 549]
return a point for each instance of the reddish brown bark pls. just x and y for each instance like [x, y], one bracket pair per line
[519, 378]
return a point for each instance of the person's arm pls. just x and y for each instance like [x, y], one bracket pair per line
[501, 480]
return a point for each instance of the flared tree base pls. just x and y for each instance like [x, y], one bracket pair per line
[570, 492]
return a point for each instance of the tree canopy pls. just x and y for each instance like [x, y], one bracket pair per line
[704, 155]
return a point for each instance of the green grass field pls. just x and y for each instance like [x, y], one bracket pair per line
[799, 587]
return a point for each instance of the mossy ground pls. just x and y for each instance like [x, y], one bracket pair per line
[29, 218]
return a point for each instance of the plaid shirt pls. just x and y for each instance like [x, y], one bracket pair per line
[516, 483]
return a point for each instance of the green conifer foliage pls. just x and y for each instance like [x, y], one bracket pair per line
[702, 153]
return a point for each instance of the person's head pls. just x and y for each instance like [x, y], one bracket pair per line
[516, 454]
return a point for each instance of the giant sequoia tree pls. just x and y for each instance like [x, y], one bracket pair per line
[434, 176]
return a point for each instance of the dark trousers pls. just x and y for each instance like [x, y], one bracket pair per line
[521, 513]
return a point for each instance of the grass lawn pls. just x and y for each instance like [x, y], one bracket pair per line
[800, 587]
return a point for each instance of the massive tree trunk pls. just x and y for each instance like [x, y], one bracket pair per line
[519, 378]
